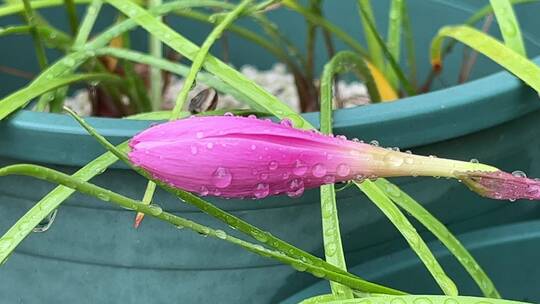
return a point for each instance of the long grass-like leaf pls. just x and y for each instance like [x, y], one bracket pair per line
[509, 25]
[438, 229]
[409, 45]
[395, 23]
[375, 52]
[36, 37]
[520, 66]
[412, 299]
[391, 60]
[156, 80]
[72, 16]
[23, 96]
[50, 37]
[156, 211]
[87, 24]
[333, 248]
[417, 244]
[258, 96]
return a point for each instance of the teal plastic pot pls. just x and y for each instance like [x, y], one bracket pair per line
[508, 254]
[92, 254]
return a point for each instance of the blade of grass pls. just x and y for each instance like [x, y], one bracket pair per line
[232, 220]
[391, 60]
[38, 45]
[333, 248]
[438, 229]
[50, 37]
[156, 50]
[21, 97]
[156, 211]
[520, 66]
[366, 17]
[258, 96]
[379, 198]
[409, 46]
[412, 299]
[87, 24]
[395, 23]
[72, 16]
[509, 25]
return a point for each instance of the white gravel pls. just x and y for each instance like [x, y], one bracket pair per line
[277, 81]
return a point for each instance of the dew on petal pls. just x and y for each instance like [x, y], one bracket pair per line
[263, 176]
[319, 170]
[194, 150]
[286, 122]
[203, 191]
[221, 177]
[210, 145]
[300, 168]
[261, 190]
[329, 179]
[343, 170]
[518, 173]
[296, 188]
[273, 165]
[199, 134]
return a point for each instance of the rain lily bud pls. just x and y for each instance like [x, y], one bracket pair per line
[238, 157]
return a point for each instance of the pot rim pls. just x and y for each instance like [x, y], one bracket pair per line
[444, 109]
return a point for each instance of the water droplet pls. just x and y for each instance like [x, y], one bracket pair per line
[474, 161]
[203, 191]
[273, 165]
[180, 227]
[286, 175]
[261, 190]
[221, 234]
[299, 266]
[286, 123]
[204, 231]
[329, 179]
[343, 170]
[422, 301]
[5, 244]
[252, 116]
[449, 301]
[330, 248]
[374, 143]
[393, 159]
[155, 209]
[263, 176]
[260, 236]
[103, 196]
[341, 137]
[253, 147]
[518, 173]
[222, 177]
[210, 145]
[398, 301]
[199, 134]
[228, 114]
[194, 150]
[296, 188]
[300, 168]
[318, 170]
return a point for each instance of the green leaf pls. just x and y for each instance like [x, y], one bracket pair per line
[509, 25]
[395, 22]
[258, 96]
[333, 248]
[417, 244]
[416, 299]
[520, 66]
[36, 37]
[375, 51]
[202, 53]
[22, 97]
[442, 233]
[50, 36]
[391, 60]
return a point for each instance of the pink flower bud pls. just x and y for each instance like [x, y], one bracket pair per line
[238, 157]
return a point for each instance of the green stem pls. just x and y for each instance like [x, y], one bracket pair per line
[156, 79]
[375, 51]
[38, 44]
[88, 23]
[72, 16]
